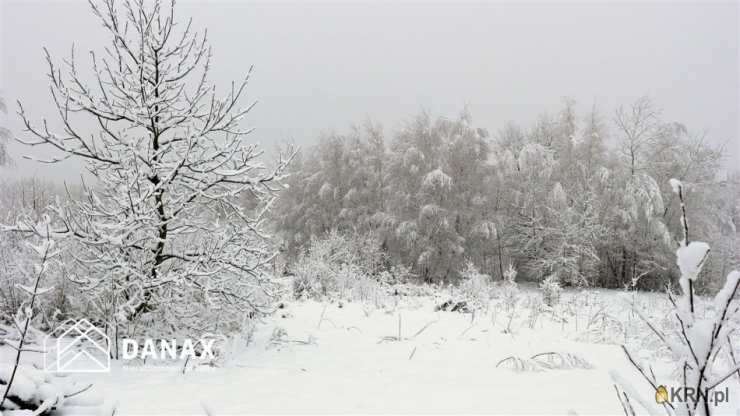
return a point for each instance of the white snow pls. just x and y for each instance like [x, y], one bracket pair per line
[33, 385]
[723, 296]
[24, 384]
[437, 179]
[312, 357]
[676, 185]
[690, 259]
[347, 369]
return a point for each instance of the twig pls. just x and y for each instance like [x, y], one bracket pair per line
[44, 257]
[185, 366]
[645, 376]
[412, 354]
[67, 396]
[732, 354]
[423, 328]
[505, 360]
[399, 327]
[626, 405]
[321, 319]
[545, 353]
[465, 331]
[355, 328]
[725, 377]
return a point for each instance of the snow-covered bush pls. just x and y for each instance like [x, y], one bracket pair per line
[353, 283]
[510, 274]
[475, 287]
[341, 265]
[509, 295]
[314, 276]
[317, 269]
[24, 387]
[26, 201]
[696, 337]
[35, 390]
[536, 308]
[551, 289]
[397, 275]
[11, 260]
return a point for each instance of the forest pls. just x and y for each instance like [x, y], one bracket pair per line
[581, 199]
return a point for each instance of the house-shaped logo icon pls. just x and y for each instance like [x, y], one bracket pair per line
[77, 346]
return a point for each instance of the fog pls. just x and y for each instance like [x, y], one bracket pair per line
[323, 66]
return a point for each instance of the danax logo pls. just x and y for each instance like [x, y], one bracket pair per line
[78, 346]
[163, 349]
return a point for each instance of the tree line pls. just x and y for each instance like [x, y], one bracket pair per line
[583, 198]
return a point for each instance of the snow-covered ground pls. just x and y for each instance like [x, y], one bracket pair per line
[333, 357]
[344, 366]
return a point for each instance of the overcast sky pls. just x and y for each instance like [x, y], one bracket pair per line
[322, 66]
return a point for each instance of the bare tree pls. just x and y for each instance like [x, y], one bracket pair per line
[641, 127]
[163, 222]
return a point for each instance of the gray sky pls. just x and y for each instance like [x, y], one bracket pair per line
[321, 66]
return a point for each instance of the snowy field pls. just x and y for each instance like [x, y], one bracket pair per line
[312, 357]
[428, 263]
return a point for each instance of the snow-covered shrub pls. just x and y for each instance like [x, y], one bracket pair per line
[551, 289]
[11, 262]
[472, 293]
[314, 275]
[638, 337]
[509, 294]
[508, 288]
[414, 289]
[510, 274]
[24, 387]
[397, 275]
[596, 319]
[26, 201]
[535, 306]
[370, 256]
[697, 335]
[475, 287]
[354, 284]
[35, 390]
[340, 265]
[316, 270]
[234, 345]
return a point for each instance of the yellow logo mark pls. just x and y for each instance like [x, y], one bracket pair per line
[661, 395]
